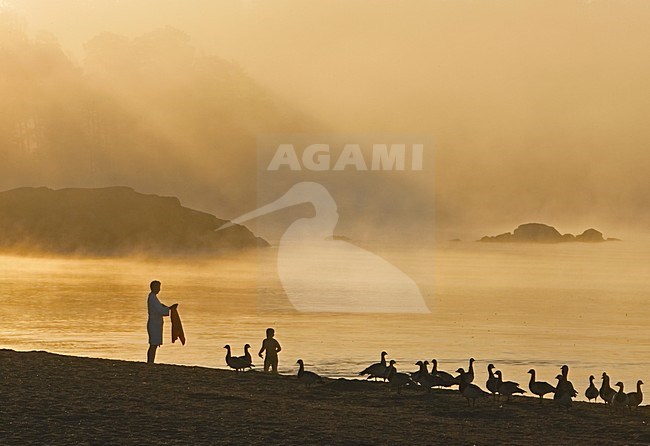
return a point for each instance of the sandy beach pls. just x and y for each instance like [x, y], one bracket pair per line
[53, 399]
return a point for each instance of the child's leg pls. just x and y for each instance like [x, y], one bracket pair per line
[267, 363]
[274, 364]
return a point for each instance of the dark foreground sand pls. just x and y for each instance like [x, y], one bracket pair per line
[52, 399]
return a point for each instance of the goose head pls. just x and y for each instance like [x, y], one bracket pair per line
[639, 382]
[565, 370]
[604, 376]
[300, 362]
[392, 362]
[498, 374]
[532, 372]
[420, 363]
[460, 370]
[247, 346]
[591, 378]
[426, 363]
[559, 377]
[471, 361]
[227, 347]
[490, 366]
[383, 355]
[619, 385]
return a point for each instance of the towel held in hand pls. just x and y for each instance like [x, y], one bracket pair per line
[177, 326]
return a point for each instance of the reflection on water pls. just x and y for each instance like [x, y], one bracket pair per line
[515, 305]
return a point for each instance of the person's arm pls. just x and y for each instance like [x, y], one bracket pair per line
[262, 348]
[278, 349]
[163, 310]
[168, 309]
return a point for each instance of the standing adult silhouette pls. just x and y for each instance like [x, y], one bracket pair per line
[155, 322]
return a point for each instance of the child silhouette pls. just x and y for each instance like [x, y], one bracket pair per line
[272, 348]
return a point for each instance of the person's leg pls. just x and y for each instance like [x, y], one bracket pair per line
[267, 363]
[151, 354]
[274, 365]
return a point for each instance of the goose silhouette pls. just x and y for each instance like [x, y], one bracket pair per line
[321, 274]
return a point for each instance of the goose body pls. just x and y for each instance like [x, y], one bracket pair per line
[468, 390]
[563, 399]
[386, 373]
[606, 393]
[229, 357]
[634, 399]
[619, 401]
[247, 359]
[507, 388]
[391, 368]
[306, 377]
[469, 376]
[539, 388]
[235, 362]
[376, 370]
[443, 379]
[397, 379]
[424, 378]
[422, 370]
[492, 383]
[592, 391]
[564, 386]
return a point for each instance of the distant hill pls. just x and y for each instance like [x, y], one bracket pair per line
[111, 221]
[541, 233]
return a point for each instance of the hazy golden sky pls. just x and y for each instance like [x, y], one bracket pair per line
[538, 109]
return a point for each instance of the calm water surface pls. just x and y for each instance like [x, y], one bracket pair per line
[519, 306]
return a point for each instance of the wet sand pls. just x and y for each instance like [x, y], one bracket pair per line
[54, 399]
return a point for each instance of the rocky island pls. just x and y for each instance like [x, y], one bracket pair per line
[541, 233]
[111, 221]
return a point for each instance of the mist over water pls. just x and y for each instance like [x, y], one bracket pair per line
[519, 306]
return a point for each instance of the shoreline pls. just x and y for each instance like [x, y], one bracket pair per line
[54, 399]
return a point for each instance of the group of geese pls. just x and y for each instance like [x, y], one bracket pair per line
[563, 392]
[239, 363]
